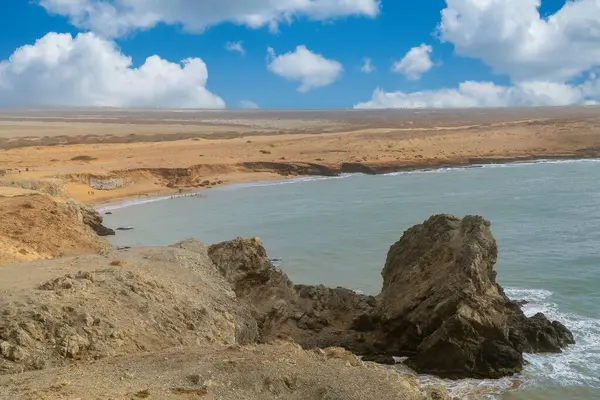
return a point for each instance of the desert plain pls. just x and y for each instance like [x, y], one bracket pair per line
[151, 152]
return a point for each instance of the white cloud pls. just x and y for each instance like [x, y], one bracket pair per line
[250, 105]
[89, 71]
[367, 66]
[487, 94]
[118, 17]
[236, 47]
[549, 60]
[511, 37]
[310, 69]
[415, 63]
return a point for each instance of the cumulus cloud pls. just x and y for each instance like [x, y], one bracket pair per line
[235, 47]
[249, 105]
[415, 63]
[514, 39]
[367, 66]
[550, 60]
[312, 70]
[487, 94]
[118, 17]
[89, 71]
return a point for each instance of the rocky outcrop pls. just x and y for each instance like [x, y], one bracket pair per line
[314, 316]
[163, 322]
[38, 226]
[440, 305]
[121, 302]
[94, 220]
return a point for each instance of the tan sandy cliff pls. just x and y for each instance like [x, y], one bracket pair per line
[36, 225]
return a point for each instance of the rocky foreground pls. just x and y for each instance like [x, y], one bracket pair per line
[440, 305]
[187, 321]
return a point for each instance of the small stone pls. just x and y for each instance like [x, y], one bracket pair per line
[194, 379]
[142, 394]
[5, 348]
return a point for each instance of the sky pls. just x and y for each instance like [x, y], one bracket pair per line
[299, 53]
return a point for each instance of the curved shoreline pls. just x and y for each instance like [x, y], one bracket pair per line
[346, 170]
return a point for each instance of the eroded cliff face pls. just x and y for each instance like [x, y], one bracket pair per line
[440, 304]
[35, 225]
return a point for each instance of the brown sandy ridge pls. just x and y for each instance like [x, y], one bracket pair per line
[164, 151]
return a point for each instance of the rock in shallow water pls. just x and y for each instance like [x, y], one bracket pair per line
[314, 316]
[440, 305]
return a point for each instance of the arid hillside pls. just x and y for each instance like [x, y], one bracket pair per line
[161, 323]
[35, 225]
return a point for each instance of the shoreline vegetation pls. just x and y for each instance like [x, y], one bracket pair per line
[72, 312]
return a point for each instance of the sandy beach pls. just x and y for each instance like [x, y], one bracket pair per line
[145, 153]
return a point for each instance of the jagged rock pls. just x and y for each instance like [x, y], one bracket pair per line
[91, 218]
[314, 316]
[544, 336]
[441, 306]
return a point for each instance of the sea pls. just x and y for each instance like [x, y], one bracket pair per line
[336, 231]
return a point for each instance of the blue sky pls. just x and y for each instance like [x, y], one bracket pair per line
[503, 75]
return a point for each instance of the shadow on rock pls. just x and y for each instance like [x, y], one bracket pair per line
[440, 305]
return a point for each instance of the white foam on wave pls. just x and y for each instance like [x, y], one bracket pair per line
[235, 186]
[238, 186]
[129, 203]
[495, 165]
[281, 182]
[578, 365]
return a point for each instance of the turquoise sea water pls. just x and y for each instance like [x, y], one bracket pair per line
[336, 231]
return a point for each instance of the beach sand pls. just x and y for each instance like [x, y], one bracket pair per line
[164, 152]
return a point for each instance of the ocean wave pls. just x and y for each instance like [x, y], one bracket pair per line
[578, 365]
[130, 203]
[237, 186]
[494, 165]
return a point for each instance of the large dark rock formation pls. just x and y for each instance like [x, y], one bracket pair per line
[92, 218]
[440, 305]
[314, 316]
